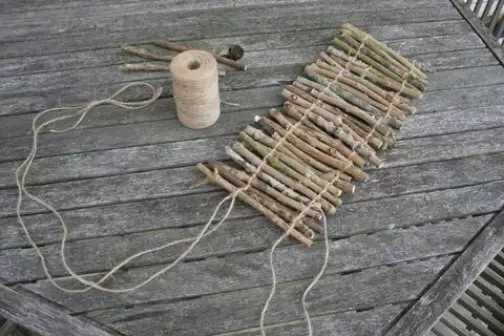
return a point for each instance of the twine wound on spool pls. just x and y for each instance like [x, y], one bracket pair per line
[196, 88]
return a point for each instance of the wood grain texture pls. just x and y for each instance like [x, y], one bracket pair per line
[168, 130]
[229, 270]
[179, 24]
[150, 157]
[35, 314]
[452, 283]
[368, 322]
[240, 309]
[127, 188]
[406, 30]
[282, 54]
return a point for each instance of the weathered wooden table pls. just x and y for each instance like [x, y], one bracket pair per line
[402, 248]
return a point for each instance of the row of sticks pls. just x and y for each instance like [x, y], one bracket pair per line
[349, 105]
[152, 55]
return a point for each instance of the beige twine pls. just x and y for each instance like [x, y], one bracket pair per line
[23, 170]
[195, 83]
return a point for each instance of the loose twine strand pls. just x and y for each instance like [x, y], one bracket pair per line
[23, 170]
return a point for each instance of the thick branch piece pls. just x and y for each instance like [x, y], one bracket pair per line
[217, 179]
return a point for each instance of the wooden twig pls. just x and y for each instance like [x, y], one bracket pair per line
[270, 180]
[336, 131]
[372, 75]
[256, 161]
[181, 47]
[143, 67]
[293, 169]
[268, 202]
[217, 179]
[142, 52]
[346, 167]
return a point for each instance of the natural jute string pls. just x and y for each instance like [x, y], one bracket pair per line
[195, 81]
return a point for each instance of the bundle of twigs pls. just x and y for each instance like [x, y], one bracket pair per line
[152, 55]
[349, 105]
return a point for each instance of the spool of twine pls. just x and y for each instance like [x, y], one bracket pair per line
[196, 88]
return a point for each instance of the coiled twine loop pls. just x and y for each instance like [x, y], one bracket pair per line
[196, 88]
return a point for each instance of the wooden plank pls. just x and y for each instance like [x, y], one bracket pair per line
[27, 7]
[176, 182]
[100, 254]
[446, 77]
[150, 157]
[30, 100]
[454, 281]
[302, 38]
[457, 108]
[168, 130]
[239, 310]
[43, 318]
[253, 57]
[120, 219]
[369, 322]
[464, 144]
[482, 31]
[181, 24]
[461, 98]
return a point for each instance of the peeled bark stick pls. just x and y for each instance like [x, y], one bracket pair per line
[143, 67]
[142, 52]
[306, 171]
[282, 197]
[262, 198]
[293, 169]
[256, 161]
[365, 130]
[364, 91]
[304, 99]
[329, 160]
[217, 179]
[361, 35]
[330, 128]
[400, 72]
[289, 194]
[324, 77]
[181, 47]
[374, 76]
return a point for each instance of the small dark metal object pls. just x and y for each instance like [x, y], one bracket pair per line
[235, 52]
